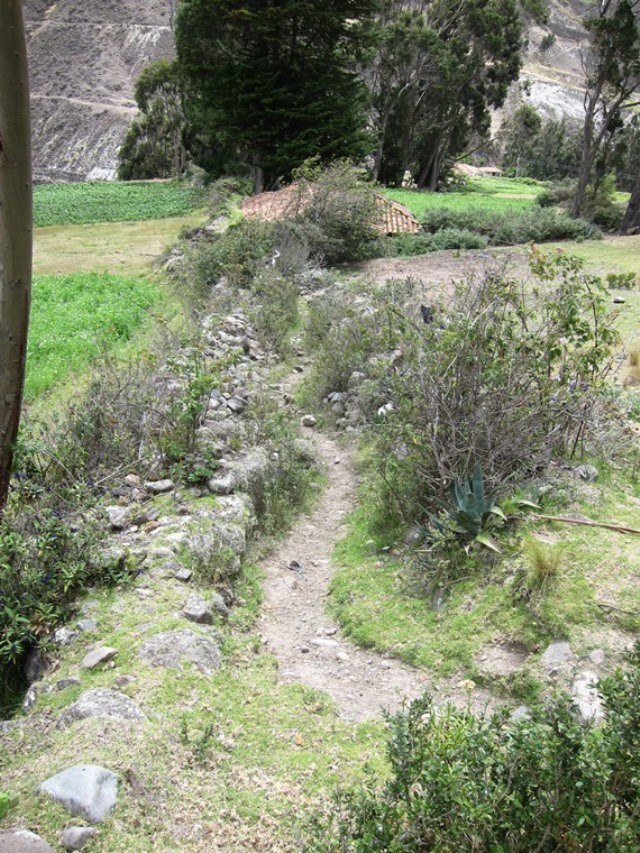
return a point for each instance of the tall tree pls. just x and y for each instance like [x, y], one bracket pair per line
[154, 145]
[275, 81]
[457, 60]
[15, 228]
[612, 73]
[631, 219]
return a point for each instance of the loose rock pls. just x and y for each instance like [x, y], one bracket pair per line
[22, 841]
[587, 699]
[183, 575]
[119, 517]
[171, 648]
[197, 610]
[85, 789]
[98, 656]
[101, 702]
[558, 655]
[64, 636]
[159, 487]
[308, 421]
[77, 837]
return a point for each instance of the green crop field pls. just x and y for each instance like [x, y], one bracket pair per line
[496, 195]
[73, 317]
[84, 204]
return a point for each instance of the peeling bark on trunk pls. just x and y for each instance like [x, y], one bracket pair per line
[15, 228]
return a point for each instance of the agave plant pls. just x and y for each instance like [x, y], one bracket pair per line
[472, 510]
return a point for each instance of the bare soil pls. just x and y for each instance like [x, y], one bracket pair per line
[306, 641]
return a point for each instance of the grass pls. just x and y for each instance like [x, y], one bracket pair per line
[87, 203]
[115, 247]
[75, 316]
[495, 195]
[378, 602]
[248, 758]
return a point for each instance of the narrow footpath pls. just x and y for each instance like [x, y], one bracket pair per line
[294, 625]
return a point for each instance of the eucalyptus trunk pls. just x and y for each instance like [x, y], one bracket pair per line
[631, 220]
[16, 224]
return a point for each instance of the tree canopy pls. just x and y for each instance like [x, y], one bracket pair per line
[274, 83]
[439, 69]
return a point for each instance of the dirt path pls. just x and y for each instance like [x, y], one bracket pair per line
[295, 626]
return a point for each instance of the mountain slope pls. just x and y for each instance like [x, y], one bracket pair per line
[84, 59]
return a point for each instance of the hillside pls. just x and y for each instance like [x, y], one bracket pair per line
[85, 57]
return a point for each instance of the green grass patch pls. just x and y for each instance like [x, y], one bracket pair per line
[75, 317]
[495, 195]
[380, 604]
[88, 203]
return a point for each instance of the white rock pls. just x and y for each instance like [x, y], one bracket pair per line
[85, 789]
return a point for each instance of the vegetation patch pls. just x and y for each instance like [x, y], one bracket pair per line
[75, 316]
[82, 204]
[494, 195]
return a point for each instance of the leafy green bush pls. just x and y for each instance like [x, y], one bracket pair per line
[236, 255]
[532, 226]
[461, 782]
[276, 309]
[622, 280]
[406, 245]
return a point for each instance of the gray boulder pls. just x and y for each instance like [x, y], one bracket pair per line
[22, 841]
[119, 517]
[172, 648]
[77, 837]
[159, 487]
[558, 655]
[197, 610]
[101, 702]
[85, 789]
[102, 655]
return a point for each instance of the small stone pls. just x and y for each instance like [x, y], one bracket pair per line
[77, 837]
[586, 698]
[308, 421]
[85, 789]
[101, 702]
[159, 487]
[30, 698]
[64, 636]
[236, 405]
[523, 712]
[343, 657]
[98, 656]
[586, 472]
[219, 605]
[324, 644]
[597, 657]
[123, 681]
[183, 575]
[557, 655]
[71, 681]
[35, 665]
[87, 625]
[133, 481]
[197, 610]
[356, 379]
[23, 841]
[618, 300]
[118, 516]
[305, 650]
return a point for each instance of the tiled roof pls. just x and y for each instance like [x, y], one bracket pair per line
[292, 201]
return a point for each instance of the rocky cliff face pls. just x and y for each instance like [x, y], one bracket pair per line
[85, 56]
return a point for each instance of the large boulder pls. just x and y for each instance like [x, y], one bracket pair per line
[101, 702]
[22, 841]
[172, 648]
[84, 789]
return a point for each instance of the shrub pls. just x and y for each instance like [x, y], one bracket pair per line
[506, 377]
[343, 212]
[622, 280]
[237, 255]
[506, 229]
[460, 782]
[406, 245]
[276, 311]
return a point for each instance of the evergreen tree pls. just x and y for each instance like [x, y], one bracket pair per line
[273, 81]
